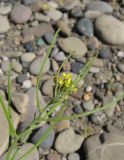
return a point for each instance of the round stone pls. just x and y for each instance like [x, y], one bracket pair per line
[48, 142]
[29, 46]
[47, 88]
[54, 14]
[49, 37]
[4, 24]
[76, 67]
[5, 8]
[100, 6]
[121, 67]
[105, 53]
[60, 56]
[109, 33]
[73, 46]
[73, 156]
[36, 64]
[20, 14]
[85, 27]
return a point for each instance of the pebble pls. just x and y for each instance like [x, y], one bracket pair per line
[93, 44]
[108, 147]
[64, 124]
[94, 69]
[17, 99]
[29, 46]
[92, 14]
[28, 117]
[73, 46]
[27, 57]
[69, 4]
[49, 37]
[77, 12]
[27, 84]
[109, 33]
[12, 54]
[88, 88]
[120, 54]
[54, 52]
[40, 42]
[88, 105]
[60, 56]
[4, 133]
[55, 66]
[78, 109]
[5, 8]
[20, 14]
[24, 149]
[4, 24]
[85, 27]
[121, 67]
[76, 67]
[16, 66]
[48, 142]
[47, 88]
[27, 2]
[99, 118]
[21, 78]
[64, 27]
[101, 6]
[105, 53]
[66, 65]
[34, 68]
[73, 156]
[54, 14]
[68, 141]
[53, 156]
[41, 17]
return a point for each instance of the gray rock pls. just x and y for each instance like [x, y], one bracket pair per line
[121, 67]
[20, 14]
[4, 133]
[5, 8]
[11, 54]
[109, 33]
[21, 78]
[64, 27]
[54, 52]
[69, 4]
[23, 149]
[111, 148]
[49, 37]
[54, 14]
[76, 12]
[85, 27]
[16, 66]
[36, 64]
[68, 141]
[48, 142]
[105, 53]
[76, 67]
[60, 56]
[47, 87]
[99, 118]
[109, 100]
[55, 66]
[4, 24]
[73, 156]
[17, 99]
[73, 46]
[26, 2]
[28, 117]
[88, 105]
[100, 6]
[27, 57]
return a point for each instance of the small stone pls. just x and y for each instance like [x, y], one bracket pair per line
[53, 156]
[55, 66]
[69, 4]
[76, 12]
[65, 124]
[93, 43]
[120, 54]
[23, 150]
[73, 46]
[68, 141]
[78, 109]
[121, 67]
[54, 14]
[94, 69]
[99, 118]
[73, 156]
[54, 52]
[48, 142]
[27, 2]
[5, 66]
[16, 66]
[64, 27]
[17, 99]
[27, 84]
[85, 27]
[109, 100]
[21, 78]
[5, 8]
[47, 87]
[66, 65]
[87, 96]
[88, 88]
[41, 17]
[109, 33]
[60, 56]
[100, 6]
[40, 42]
[12, 54]
[29, 46]
[27, 57]
[76, 67]
[20, 14]
[49, 37]
[35, 65]
[88, 105]
[4, 24]
[105, 53]
[92, 14]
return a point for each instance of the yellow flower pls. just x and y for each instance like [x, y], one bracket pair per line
[60, 81]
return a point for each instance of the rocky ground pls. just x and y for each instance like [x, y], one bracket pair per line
[27, 29]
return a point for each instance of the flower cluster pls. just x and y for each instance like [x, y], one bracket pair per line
[65, 81]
